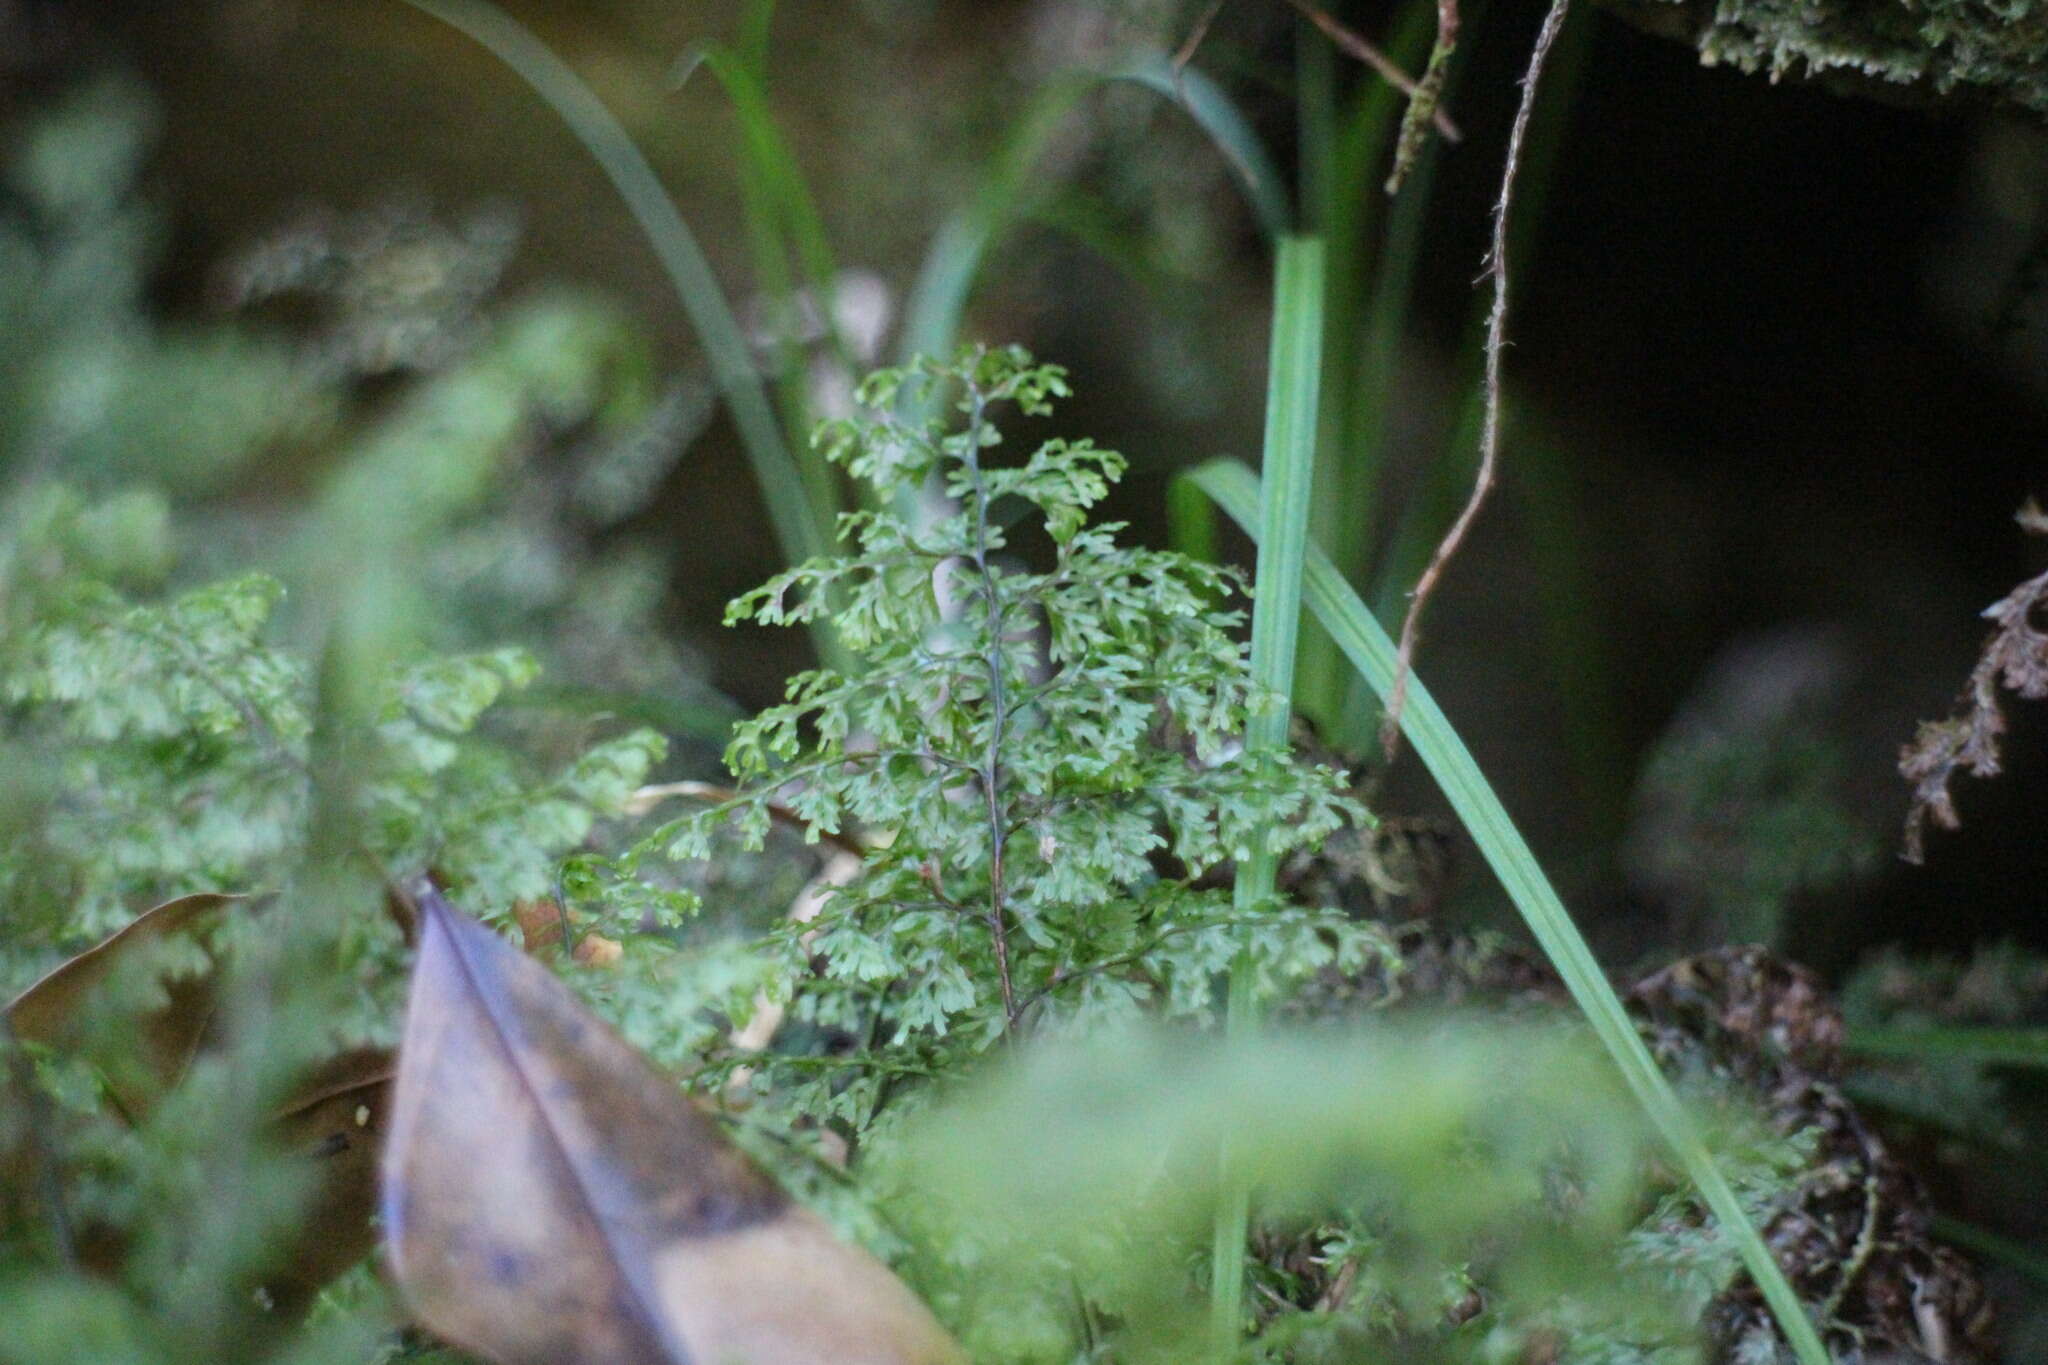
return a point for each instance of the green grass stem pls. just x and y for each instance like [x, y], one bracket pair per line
[1191, 523]
[802, 530]
[784, 228]
[2027, 1047]
[1293, 379]
[1370, 281]
[1236, 490]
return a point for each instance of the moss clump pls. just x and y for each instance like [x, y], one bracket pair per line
[1990, 49]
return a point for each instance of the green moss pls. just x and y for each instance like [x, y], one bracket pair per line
[1995, 49]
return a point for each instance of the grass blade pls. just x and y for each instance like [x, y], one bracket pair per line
[1293, 379]
[1213, 112]
[2027, 1260]
[783, 224]
[801, 530]
[1236, 490]
[2026, 1047]
[1371, 274]
[766, 153]
[938, 299]
[1191, 523]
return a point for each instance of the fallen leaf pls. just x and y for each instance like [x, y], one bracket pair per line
[595, 950]
[334, 1116]
[541, 924]
[156, 1053]
[337, 1118]
[549, 1198]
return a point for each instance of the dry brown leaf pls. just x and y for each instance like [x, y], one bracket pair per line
[53, 1010]
[549, 1198]
[595, 950]
[541, 924]
[335, 1116]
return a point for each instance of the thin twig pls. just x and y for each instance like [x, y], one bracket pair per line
[1192, 44]
[1496, 343]
[1446, 24]
[1426, 102]
[1353, 44]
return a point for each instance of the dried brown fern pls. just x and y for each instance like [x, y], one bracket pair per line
[2016, 657]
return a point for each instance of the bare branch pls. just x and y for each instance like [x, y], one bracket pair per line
[1426, 103]
[1352, 44]
[1192, 44]
[1496, 343]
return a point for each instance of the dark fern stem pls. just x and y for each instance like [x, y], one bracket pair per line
[990, 773]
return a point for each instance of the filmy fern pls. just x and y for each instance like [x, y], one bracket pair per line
[165, 741]
[1041, 751]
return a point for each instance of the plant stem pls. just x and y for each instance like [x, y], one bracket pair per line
[1496, 343]
[1292, 384]
[991, 772]
[803, 529]
[1365, 299]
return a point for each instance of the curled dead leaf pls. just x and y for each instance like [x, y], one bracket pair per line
[548, 1196]
[151, 1057]
[337, 1118]
[334, 1116]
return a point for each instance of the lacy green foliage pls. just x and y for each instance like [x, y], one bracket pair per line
[159, 716]
[157, 697]
[1043, 760]
[1554, 1276]
[503, 441]
[1343, 1286]
[1681, 1250]
[161, 744]
[147, 742]
[164, 717]
[158, 742]
[1755, 821]
[86, 385]
[1987, 48]
[182, 1215]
